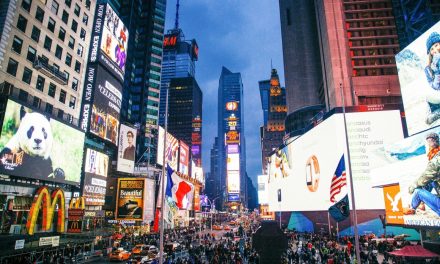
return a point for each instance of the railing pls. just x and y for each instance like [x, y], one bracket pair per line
[50, 71]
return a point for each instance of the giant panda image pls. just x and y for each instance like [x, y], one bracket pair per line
[27, 153]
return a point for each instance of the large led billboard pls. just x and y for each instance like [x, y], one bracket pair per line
[418, 66]
[262, 189]
[408, 174]
[305, 167]
[33, 145]
[106, 107]
[233, 179]
[171, 149]
[130, 199]
[114, 43]
[233, 162]
[95, 180]
[150, 187]
[126, 149]
[183, 158]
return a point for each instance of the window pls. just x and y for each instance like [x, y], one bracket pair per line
[60, 114]
[26, 5]
[52, 90]
[32, 53]
[54, 7]
[77, 66]
[23, 95]
[62, 96]
[35, 33]
[80, 50]
[68, 59]
[39, 14]
[74, 84]
[37, 102]
[58, 52]
[67, 75]
[88, 3]
[62, 34]
[82, 35]
[72, 102]
[68, 3]
[51, 24]
[40, 83]
[12, 67]
[77, 10]
[56, 68]
[44, 59]
[22, 23]
[47, 43]
[17, 44]
[65, 17]
[74, 26]
[27, 75]
[71, 42]
[85, 19]
[49, 108]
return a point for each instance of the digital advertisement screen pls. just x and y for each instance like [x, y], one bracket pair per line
[126, 149]
[233, 181]
[233, 162]
[196, 199]
[106, 107]
[307, 167]
[130, 201]
[95, 181]
[262, 189]
[150, 187]
[404, 170]
[198, 174]
[233, 148]
[419, 76]
[36, 146]
[171, 151]
[114, 42]
[183, 158]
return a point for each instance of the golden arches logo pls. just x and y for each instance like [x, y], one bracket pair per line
[47, 202]
[77, 203]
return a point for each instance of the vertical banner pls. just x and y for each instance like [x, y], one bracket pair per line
[197, 199]
[126, 149]
[75, 220]
[149, 200]
[130, 200]
[95, 178]
[183, 158]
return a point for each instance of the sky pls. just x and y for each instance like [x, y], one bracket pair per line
[244, 36]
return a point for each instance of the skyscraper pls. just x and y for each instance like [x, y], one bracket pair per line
[146, 19]
[231, 144]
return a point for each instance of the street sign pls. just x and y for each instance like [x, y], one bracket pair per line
[49, 241]
[19, 244]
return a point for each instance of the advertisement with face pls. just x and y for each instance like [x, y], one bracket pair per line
[315, 165]
[114, 43]
[36, 146]
[418, 66]
[130, 199]
[183, 158]
[106, 107]
[95, 181]
[126, 149]
[171, 151]
[408, 171]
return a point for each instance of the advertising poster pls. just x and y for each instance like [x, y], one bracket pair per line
[95, 180]
[404, 170]
[114, 43]
[130, 199]
[149, 200]
[233, 162]
[36, 146]
[197, 173]
[308, 166]
[233, 182]
[183, 158]
[197, 199]
[106, 107]
[126, 149]
[171, 151]
[262, 189]
[418, 67]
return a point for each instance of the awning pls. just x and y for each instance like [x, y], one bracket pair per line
[416, 251]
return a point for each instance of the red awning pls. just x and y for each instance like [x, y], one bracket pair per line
[414, 251]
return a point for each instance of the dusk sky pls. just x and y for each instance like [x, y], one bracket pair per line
[244, 36]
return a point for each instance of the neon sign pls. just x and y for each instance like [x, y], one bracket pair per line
[169, 41]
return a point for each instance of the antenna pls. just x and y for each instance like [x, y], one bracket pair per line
[176, 22]
[271, 67]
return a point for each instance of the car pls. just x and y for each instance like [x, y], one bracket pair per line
[138, 249]
[119, 254]
[217, 227]
[232, 223]
[140, 259]
[227, 228]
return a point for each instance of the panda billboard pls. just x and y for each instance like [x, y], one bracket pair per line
[33, 145]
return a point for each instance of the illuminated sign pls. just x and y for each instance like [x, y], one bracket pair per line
[170, 41]
[47, 202]
[233, 182]
[196, 138]
[194, 50]
[231, 106]
[232, 137]
[233, 148]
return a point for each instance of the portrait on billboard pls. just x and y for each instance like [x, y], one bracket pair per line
[419, 75]
[126, 149]
[34, 145]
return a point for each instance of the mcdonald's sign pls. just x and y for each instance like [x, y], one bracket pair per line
[47, 202]
[77, 203]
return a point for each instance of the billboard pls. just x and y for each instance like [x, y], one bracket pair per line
[404, 169]
[418, 67]
[262, 189]
[126, 149]
[95, 178]
[36, 146]
[114, 42]
[306, 166]
[130, 199]
[150, 188]
[183, 158]
[106, 107]
[171, 150]
[233, 162]
[196, 199]
[233, 181]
